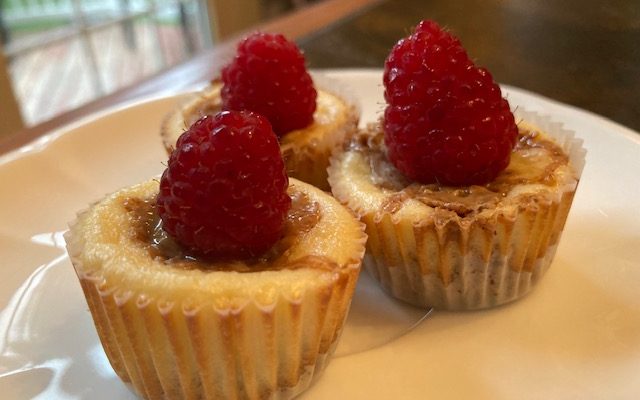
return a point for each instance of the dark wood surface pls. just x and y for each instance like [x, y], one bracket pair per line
[582, 52]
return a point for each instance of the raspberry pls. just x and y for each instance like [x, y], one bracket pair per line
[223, 193]
[445, 120]
[268, 76]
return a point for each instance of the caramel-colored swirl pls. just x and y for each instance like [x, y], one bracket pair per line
[301, 218]
[534, 160]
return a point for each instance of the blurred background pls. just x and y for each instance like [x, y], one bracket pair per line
[56, 55]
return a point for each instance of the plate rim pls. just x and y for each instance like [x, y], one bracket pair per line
[42, 142]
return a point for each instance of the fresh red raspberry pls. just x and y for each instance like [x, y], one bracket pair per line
[268, 76]
[224, 192]
[446, 120]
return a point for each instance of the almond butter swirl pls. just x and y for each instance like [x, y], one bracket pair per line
[534, 161]
[302, 217]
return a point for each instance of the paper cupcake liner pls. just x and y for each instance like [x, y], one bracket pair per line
[463, 267]
[180, 345]
[305, 160]
[472, 264]
[309, 160]
[180, 350]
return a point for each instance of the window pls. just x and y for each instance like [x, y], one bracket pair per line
[64, 53]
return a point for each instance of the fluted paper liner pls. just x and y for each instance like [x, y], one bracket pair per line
[179, 346]
[461, 264]
[306, 151]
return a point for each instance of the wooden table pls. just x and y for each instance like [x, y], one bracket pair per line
[582, 52]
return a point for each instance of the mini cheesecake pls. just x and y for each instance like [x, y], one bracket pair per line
[306, 151]
[180, 327]
[467, 247]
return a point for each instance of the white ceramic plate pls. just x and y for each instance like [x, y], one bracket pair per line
[576, 336]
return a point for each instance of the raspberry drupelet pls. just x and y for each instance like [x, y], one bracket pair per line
[268, 76]
[223, 193]
[446, 120]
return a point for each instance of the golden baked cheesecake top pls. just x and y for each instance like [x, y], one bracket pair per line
[538, 166]
[332, 112]
[123, 246]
